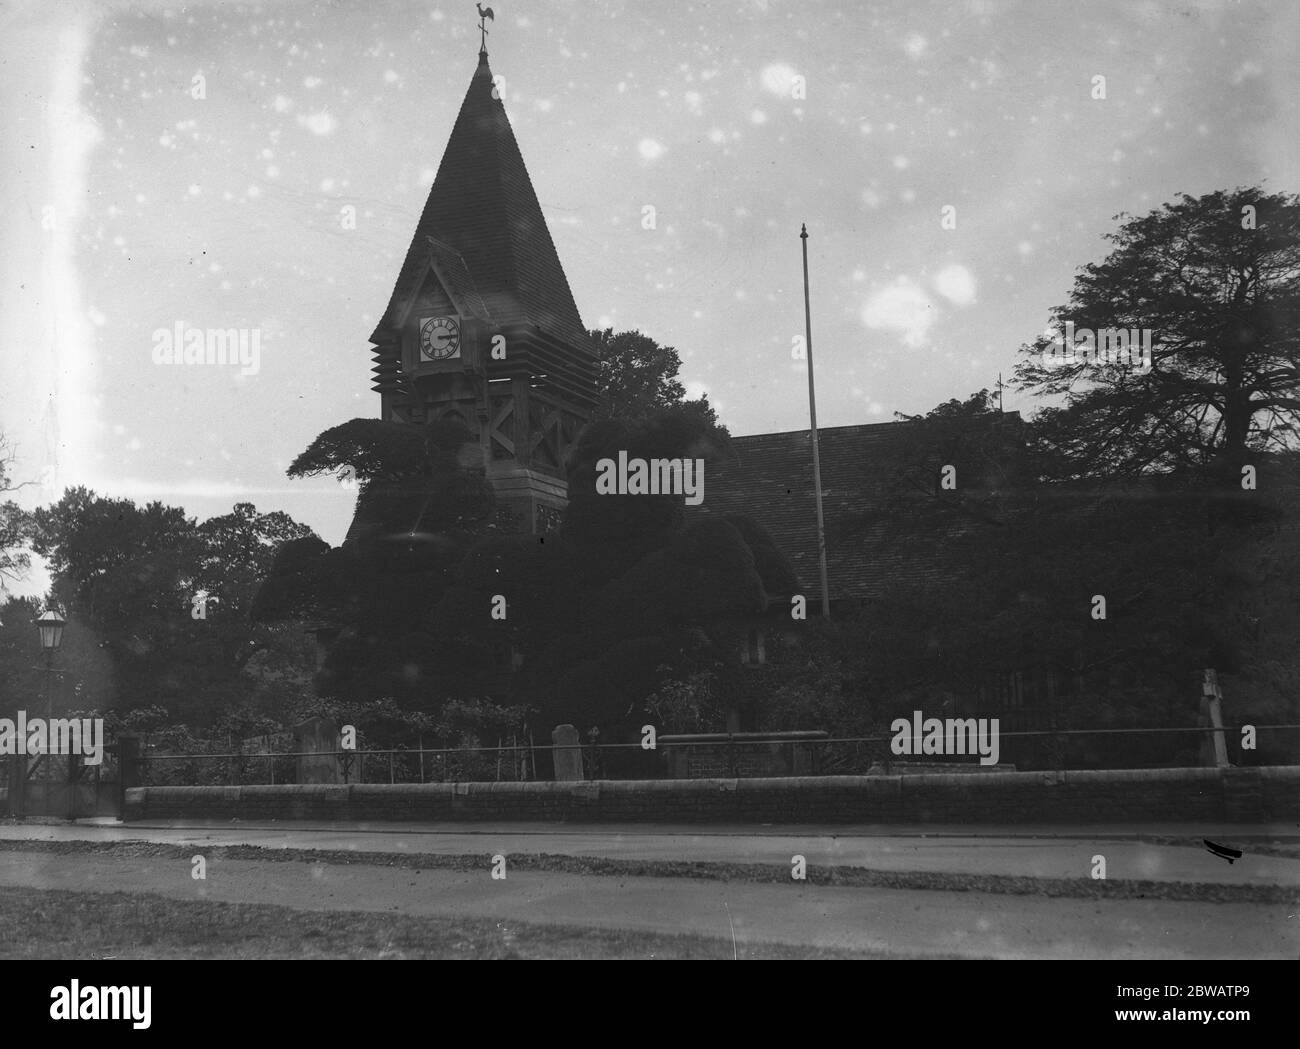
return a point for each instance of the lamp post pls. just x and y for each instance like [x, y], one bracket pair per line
[50, 627]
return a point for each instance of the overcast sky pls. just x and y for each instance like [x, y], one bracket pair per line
[131, 205]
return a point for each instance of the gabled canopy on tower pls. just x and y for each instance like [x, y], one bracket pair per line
[482, 209]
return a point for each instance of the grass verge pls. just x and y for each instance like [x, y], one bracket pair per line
[40, 923]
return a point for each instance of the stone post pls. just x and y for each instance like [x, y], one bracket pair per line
[316, 743]
[567, 751]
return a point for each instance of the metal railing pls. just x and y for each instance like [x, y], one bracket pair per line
[393, 765]
[731, 755]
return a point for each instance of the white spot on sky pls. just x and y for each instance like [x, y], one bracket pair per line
[758, 117]
[778, 78]
[901, 307]
[282, 103]
[955, 284]
[321, 123]
[650, 149]
[915, 45]
[1246, 71]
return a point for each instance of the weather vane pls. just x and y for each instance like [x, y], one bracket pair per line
[484, 16]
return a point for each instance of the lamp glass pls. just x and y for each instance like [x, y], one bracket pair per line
[51, 630]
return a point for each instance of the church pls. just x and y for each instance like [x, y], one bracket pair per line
[481, 326]
[482, 329]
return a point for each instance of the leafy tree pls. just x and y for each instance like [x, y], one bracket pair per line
[1217, 280]
[95, 543]
[423, 501]
[84, 672]
[609, 533]
[655, 593]
[129, 577]
[982, 450]
[636, 376]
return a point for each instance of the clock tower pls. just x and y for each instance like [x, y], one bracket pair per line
[481, 325]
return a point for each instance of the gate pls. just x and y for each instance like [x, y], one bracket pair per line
[63, 786]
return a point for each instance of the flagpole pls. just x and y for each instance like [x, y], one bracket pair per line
[812, 414]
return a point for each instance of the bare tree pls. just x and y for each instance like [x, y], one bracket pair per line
[15, 522]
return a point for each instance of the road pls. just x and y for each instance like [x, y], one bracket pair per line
[905, 922]
[1040, 852]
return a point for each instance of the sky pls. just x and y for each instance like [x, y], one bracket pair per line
[262, 167]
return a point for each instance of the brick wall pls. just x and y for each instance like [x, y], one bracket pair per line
[1197, 794]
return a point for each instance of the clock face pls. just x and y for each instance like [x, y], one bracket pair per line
[439, 338]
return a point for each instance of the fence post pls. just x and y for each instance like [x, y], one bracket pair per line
[391, 781]
[73, 775]
[731, 755]
[17, 785]
[128, 770]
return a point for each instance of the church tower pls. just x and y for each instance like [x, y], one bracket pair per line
[481, 325]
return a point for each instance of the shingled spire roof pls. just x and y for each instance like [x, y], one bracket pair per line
[483, 207]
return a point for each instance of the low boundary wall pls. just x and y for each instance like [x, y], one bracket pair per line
[1247, 795]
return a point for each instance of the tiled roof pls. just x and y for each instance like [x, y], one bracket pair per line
[449, 265]
[770, 479]
[483, 208]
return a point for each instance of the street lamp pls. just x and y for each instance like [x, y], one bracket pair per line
[50, 626]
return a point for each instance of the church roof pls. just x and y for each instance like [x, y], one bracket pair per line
[869, 554]
[483, 211]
